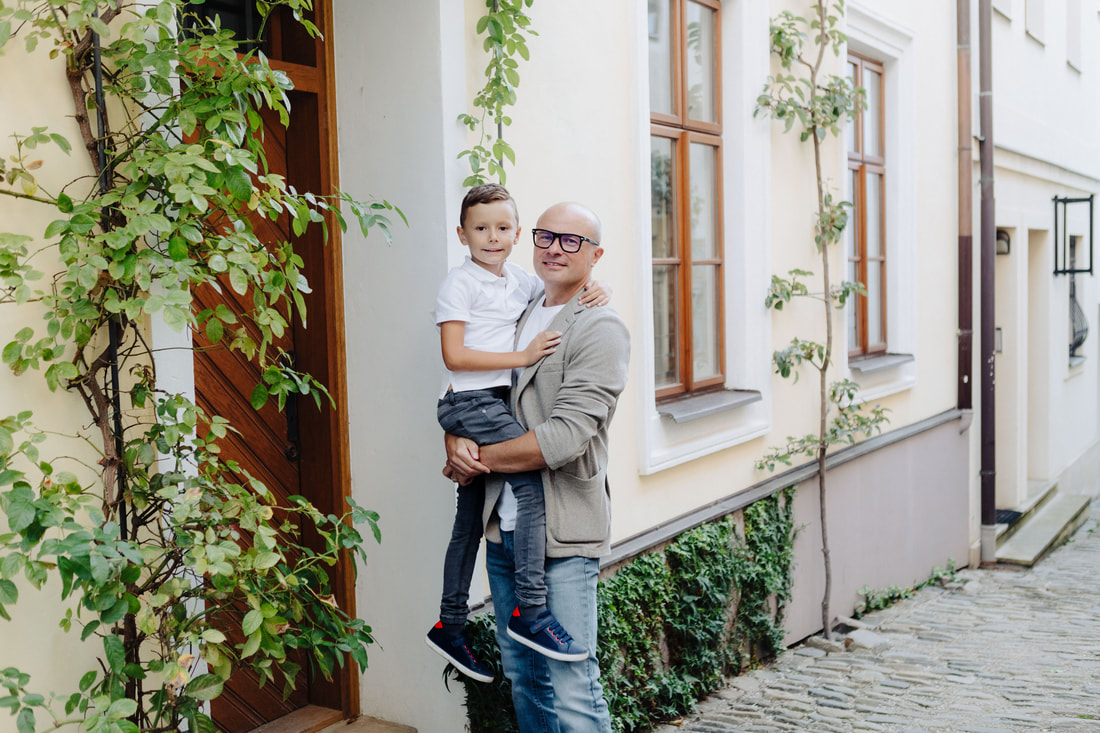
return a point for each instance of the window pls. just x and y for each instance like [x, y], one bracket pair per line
[1078, 326]
[866, 231]
[686, 195]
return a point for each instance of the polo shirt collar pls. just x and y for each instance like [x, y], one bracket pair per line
[480, 273]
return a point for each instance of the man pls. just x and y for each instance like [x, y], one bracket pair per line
[566, 402]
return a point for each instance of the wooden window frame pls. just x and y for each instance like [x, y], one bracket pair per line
[683, 132]
[863, 164]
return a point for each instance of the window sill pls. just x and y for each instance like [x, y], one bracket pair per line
[873, 364]
[686, 409]
[1076, 361]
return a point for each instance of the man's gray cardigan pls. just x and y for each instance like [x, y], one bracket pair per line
[568, 398]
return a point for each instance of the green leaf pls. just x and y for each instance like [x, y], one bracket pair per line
[25, 721]
[264, 560]
[251, 645]
[7, 443]
[21, 515]
[5, 32]
[121, 708]
[177, 249]
[204, 687]
[62, 142]
[115, 651]
[239, 184]
[9, 594]
[12, 565]
[252, 621]
[214, 330]
[259, 397]
[238, 279]
[12, 352]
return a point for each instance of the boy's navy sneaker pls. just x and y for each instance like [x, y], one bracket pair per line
[456, 650]
[547, 637]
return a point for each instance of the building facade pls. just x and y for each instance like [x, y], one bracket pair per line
[644, 111]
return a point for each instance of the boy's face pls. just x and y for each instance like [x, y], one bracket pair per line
[490, 232]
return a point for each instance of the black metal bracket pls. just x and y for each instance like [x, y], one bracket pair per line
[1064, 264]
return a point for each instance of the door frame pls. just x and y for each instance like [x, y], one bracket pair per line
[337, 376]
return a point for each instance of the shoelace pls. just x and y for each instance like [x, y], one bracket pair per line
[560, 634]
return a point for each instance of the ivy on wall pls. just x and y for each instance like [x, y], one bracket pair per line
[504, 26]
[672, 622]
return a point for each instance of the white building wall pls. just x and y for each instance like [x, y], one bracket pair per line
[400, 85]
[1046, 98]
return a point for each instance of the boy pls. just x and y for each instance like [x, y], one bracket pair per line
[477, 309]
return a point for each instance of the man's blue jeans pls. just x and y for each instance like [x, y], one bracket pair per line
[551, 696]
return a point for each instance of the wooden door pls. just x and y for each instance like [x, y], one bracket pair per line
[301, 450]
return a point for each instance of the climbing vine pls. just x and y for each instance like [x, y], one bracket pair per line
[673, 622]
[506, 27]
[173, 566]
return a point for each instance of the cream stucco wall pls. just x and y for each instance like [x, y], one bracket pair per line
[580, 131]
[36, 93]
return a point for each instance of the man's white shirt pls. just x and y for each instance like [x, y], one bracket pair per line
[537, 322]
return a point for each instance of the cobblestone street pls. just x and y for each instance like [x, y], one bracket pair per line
[998, 650]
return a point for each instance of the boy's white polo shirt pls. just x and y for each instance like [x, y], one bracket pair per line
[490, 306]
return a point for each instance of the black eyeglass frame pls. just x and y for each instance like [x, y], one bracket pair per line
[561, 243]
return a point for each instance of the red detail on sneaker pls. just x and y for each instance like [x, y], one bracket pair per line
[515, 612]
[438, 625]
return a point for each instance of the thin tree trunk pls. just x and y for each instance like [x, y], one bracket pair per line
[823, 244]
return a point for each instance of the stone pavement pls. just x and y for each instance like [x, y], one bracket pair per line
[997, 651]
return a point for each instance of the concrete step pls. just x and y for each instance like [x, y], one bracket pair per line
[1043, 530]
[363, 724]
[1038, 493]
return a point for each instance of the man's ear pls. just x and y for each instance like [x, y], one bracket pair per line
[597, 255]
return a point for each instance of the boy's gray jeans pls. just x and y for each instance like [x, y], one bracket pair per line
[483, 416]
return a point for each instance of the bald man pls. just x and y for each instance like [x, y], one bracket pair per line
[566, 401]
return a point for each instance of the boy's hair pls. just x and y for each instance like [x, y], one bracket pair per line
[484, 194]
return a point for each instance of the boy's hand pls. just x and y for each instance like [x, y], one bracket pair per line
[543, 344]
[596, 292]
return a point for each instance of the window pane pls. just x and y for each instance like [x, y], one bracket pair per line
[660, 56]
[851, 233]
[703, 193]
[238, 16]
[665, 345]
[872, 130]
[701, 63]
[876, 333]
[662, 180]
[874, 215]
[850, 125]
[704, 322]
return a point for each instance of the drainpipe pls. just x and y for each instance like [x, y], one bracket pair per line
[988, 241]
[966, 213]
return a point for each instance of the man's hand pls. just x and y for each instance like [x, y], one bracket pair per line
[462, 459]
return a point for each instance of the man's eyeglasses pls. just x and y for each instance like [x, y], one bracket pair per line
[570, 243]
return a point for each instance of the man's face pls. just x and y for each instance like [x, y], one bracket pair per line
[564, 270]
[490, 232]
